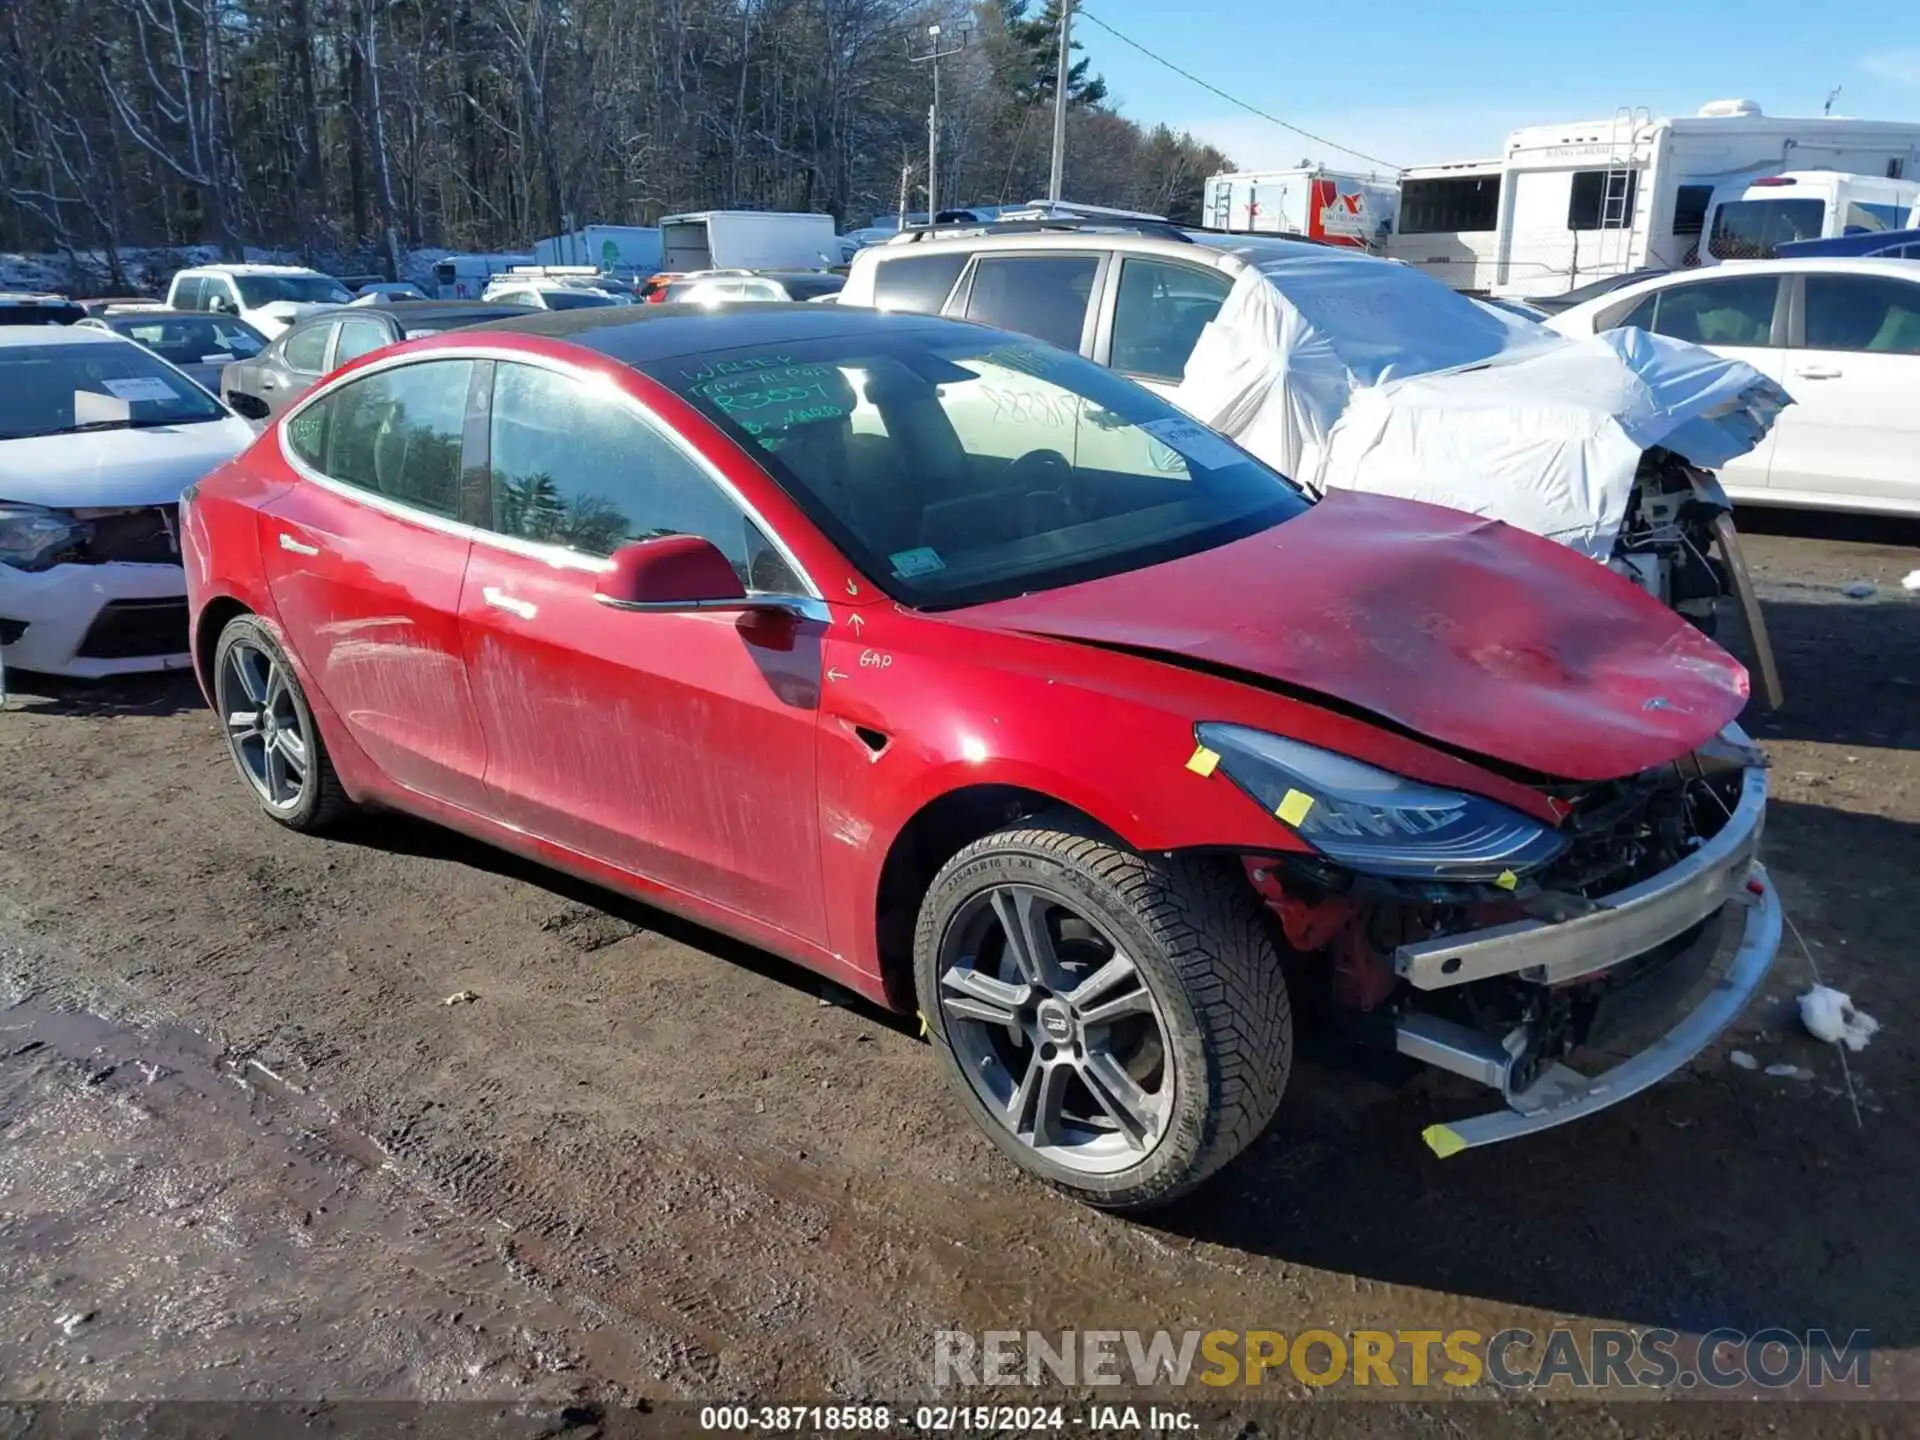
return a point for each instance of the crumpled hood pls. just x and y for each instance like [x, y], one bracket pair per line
[1346, 372]
[117, 467]
[1463, 630]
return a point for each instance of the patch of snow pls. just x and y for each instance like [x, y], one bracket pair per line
[1744, 1060]
[1912, 582]
[1783, 1070]
[1829, 1015]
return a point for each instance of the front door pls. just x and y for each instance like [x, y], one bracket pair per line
[1852, 435]
[365, 558]
[676, 747]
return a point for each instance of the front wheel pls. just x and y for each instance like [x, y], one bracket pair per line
[1117, 1024]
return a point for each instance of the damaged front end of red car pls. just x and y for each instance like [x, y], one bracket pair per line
[1565, 968]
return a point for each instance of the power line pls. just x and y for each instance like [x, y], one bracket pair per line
[1083, 13]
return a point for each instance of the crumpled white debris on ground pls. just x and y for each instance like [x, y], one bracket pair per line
[1912, 582]
[1829, 1015]
[1744, 1060]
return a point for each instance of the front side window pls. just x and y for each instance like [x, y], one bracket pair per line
[357, 338]
[62, 389]
[1161, 310]
[258, 290]
[305, 349]
[959, 468]
[916, 282]
[1045, 296]
[575, 468]
[1870, 313]
[1736, 312]
[1753, 229]
[396, 433]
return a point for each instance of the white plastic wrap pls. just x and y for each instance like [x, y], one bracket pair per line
[1349, 372]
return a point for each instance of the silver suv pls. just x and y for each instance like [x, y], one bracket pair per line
[1132, 297]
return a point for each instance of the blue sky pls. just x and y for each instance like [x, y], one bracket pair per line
[1415, 83]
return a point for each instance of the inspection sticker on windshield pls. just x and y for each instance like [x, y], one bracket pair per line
[141, 387]
[1194, 442]
[909, 563]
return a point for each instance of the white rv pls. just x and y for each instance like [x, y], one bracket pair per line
[1580, 201]
[1338, 207]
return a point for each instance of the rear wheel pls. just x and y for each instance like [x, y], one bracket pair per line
[271, 736]
[1116, 1023]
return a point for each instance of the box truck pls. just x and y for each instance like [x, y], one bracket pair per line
[1336, 207]
[611, 249]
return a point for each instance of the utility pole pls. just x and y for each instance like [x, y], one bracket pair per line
[1057, 177]
[933, 57]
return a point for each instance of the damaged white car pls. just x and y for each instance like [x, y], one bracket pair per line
[98, 437]
[1345, 371]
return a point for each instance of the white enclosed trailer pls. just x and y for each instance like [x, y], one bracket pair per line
[748, 240]
[621, 249]
[1587, 199]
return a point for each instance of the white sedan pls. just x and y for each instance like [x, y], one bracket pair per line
[98, 437]
[1842, 336]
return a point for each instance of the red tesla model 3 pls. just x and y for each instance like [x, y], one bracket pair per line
[983, 681]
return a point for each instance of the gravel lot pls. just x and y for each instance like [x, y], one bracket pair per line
[250, 1149]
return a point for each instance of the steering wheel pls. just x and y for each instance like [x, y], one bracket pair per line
[1040, 478]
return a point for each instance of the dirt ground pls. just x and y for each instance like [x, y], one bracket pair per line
[252, 1148]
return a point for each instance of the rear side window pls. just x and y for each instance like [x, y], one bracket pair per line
[396, 433]
[190, 294]
[306, 349]
[1045, 296]
[1868, 313]
[1732, 312]
[1161, 311]
[916, 282]
[357, 338]
[1752, 229]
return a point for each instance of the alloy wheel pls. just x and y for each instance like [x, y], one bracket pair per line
[263, 724]
[1056, 1030]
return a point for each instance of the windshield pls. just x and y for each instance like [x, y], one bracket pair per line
[58, 389]
[957, 468]
[576, 299]
[193, 339]
[258, 290]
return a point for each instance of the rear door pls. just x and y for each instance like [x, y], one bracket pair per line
[293, 365]
[1852, 437]
[1739, 316]
[365, 559]
[1053, 295]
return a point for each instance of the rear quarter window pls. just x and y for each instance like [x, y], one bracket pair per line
[918, 283]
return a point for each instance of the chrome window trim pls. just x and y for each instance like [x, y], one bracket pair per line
[556, 555]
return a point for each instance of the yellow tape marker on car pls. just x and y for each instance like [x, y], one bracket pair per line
[1203, 761]
[1442, 1141]
[1293, 806]
[923, 1024]
[1506, 880]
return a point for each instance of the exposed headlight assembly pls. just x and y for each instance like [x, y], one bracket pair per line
[32, 536]
[1376, 822]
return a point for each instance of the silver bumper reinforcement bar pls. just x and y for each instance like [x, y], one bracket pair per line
[1562, 1094]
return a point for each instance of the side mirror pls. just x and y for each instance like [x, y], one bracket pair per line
[251, 407]
[674, 572]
